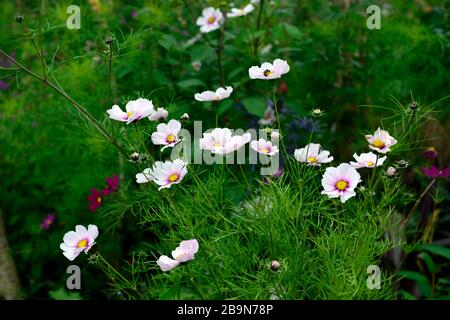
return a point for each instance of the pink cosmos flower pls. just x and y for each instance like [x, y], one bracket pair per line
[221, 141]
[184, 252]
[209, 20]
[269, 71]
[77, 241]
[159, 114]
[219, 94]
[135, 110]
[48, 221]
[165, 174]
[435, 172]
[367, 160]
[167, 134]
[340, 182]
[239, 12]
[264, 147]
[381, 141]
[313, 155]
[95, 200]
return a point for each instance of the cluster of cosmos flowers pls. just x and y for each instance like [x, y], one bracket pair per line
[338, 182]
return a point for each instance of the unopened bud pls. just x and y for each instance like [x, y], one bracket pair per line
[184, 117]
[390, 171]
[19, 18]
[134, 156]
[109, 40]
[275, 265]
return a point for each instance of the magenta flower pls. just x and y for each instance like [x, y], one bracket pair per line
[95, 200]
[434, 172]
[112, 185]
[48, 221]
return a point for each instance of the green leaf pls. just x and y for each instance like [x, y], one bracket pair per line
[437, 250]
[184, 84]
[255, 106]
[293, 31]
[422, 282]
[429, 262]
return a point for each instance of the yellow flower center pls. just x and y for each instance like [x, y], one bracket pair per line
[173, 177]
[370, 163]
[312, 159]
[211, 19]
[170, 138]
[216, 145]
[129, 114]
[267, 72]
[82, 244]
[99, 200]
[342, 185]
[378, 144]
[264, 150]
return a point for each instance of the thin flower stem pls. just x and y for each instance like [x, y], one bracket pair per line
[94, 122]
[245, 177]
[220, 46]
[110, 75]
[41, 38]
[413, 209]
[258, 26]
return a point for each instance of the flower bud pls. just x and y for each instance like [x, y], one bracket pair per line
[134, 156]
[390, 171]
[275, 265]
[19, 18]
[413, 105]
[317, 112]
[184, 117]
[275, 135]
[109, 40]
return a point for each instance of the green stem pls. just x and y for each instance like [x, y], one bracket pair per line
[258, 26]
[41, 38]
[94, 122]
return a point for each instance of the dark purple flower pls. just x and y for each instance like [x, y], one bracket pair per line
[113, 185]
[95, 200]
[434, 172]
[430, 153]
[134, 14]
[47, 221]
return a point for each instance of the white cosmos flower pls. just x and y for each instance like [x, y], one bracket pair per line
[135, 110]
[145, 176]
[210, 19]
[312, 155]
[220, 94]
[367, 160]
[340, 182]
[184, 252]
[77, 241]
[235, 12]
[221, 141]
[167, 134]
[269, 71]
[381, 141]
[159, 114]
[167, 173]
[264, 147]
